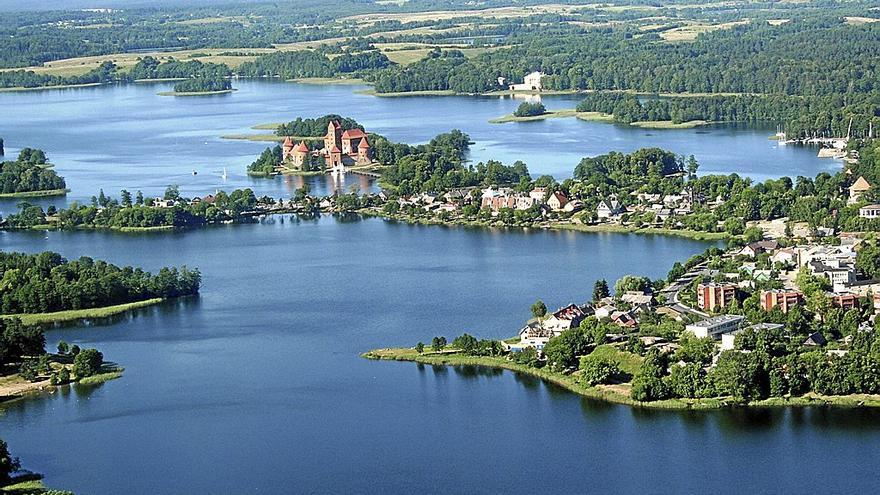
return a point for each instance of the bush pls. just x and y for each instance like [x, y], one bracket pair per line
[527, 357]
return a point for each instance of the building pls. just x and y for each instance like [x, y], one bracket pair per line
[610, 207]
[845, 300]
[531, 82]
[715, 295]
[870, 211]
[532, 335]
[565, 318]
[715, 327]
[756, 248]
[859, 187]
[557, 201]
[784, 299]
[342, 148]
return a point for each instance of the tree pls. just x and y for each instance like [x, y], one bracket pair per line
[87, 363]
[125, 198]
[466, 343]
[695, 350]
[631, 283]
[420, 348]
[600, 290]
[689, 381]
[741, 376]
[539, 309]
[8, 464]
[596, 371]
[438, 343]
[647, 383]
[563, 350]
[63, 348]
[528, 357]
[526, 109]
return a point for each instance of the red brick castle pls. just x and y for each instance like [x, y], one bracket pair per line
[341, 149]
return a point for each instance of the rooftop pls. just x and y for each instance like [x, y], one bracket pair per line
[717, 320]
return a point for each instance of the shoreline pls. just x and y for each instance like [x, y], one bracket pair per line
[59, 86]
[36, 194]
[560, 226]
[196, 93]
[82, 314]
[24, 390]
[600, 117]
[607, 393]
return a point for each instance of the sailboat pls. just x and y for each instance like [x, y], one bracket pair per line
[224, 173]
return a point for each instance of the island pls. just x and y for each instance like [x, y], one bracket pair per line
[30, 176]
[199, 86]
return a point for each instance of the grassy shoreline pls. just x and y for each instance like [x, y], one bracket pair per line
[35, 194]
[17, 389]
[41, 88]
[197, 93]
[549, 114]
[608, 394]
[599, 117]
[82, 314]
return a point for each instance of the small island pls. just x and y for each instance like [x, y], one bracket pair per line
[30, 176]
[200, 86]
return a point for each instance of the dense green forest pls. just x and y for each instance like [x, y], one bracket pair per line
[105, 73]
[46, 282]
[29, 173]
[291, 65]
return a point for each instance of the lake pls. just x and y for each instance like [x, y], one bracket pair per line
[128, 137]
[257, 385]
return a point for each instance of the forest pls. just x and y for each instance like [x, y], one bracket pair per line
[203, 85]
[29, 173]
[316, 127]
[46, 282]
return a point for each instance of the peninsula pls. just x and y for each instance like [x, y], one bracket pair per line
[30, 175]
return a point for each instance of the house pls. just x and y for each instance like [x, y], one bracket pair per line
[670, 312]
[538, 194]
[637, 298]
[715, 295]
[859, 187]
[815, 340]
[610, 207]
[565, 318]
[532, 335]
[756, 248]
[531, 82]
[715, 327]
[784, 256]
[573, 206]
[557, 201]
[840, 274]
[870, 211]
[784, 299]
[624, 319]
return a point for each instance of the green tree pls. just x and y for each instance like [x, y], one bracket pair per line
[420, 348]
[741, 376]
[600, 290]
[87, 363]
[63, 348]
[648, 384]
[539, 309]
[597, 371]
[8, 464]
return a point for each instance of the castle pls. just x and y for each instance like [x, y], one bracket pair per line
[341, 149]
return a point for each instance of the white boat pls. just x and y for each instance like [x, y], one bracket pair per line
[224, 173]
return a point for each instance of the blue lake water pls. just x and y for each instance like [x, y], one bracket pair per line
[257, 385]
[128, 137]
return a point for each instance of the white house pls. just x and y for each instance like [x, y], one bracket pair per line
[870, 211]
[531, 82]
[610, 207]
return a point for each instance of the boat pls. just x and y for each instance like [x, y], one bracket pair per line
[224, 173]
[195, 173]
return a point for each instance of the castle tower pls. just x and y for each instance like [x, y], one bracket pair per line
[333, 137]
[363, 157]
[300, 154]
[287, 149]
[334, 157]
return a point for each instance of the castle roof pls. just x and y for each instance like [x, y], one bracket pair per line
[353, 134]
[301, 147]
[334, 123]
[335, 149]
[364, 144]
[288, 143]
